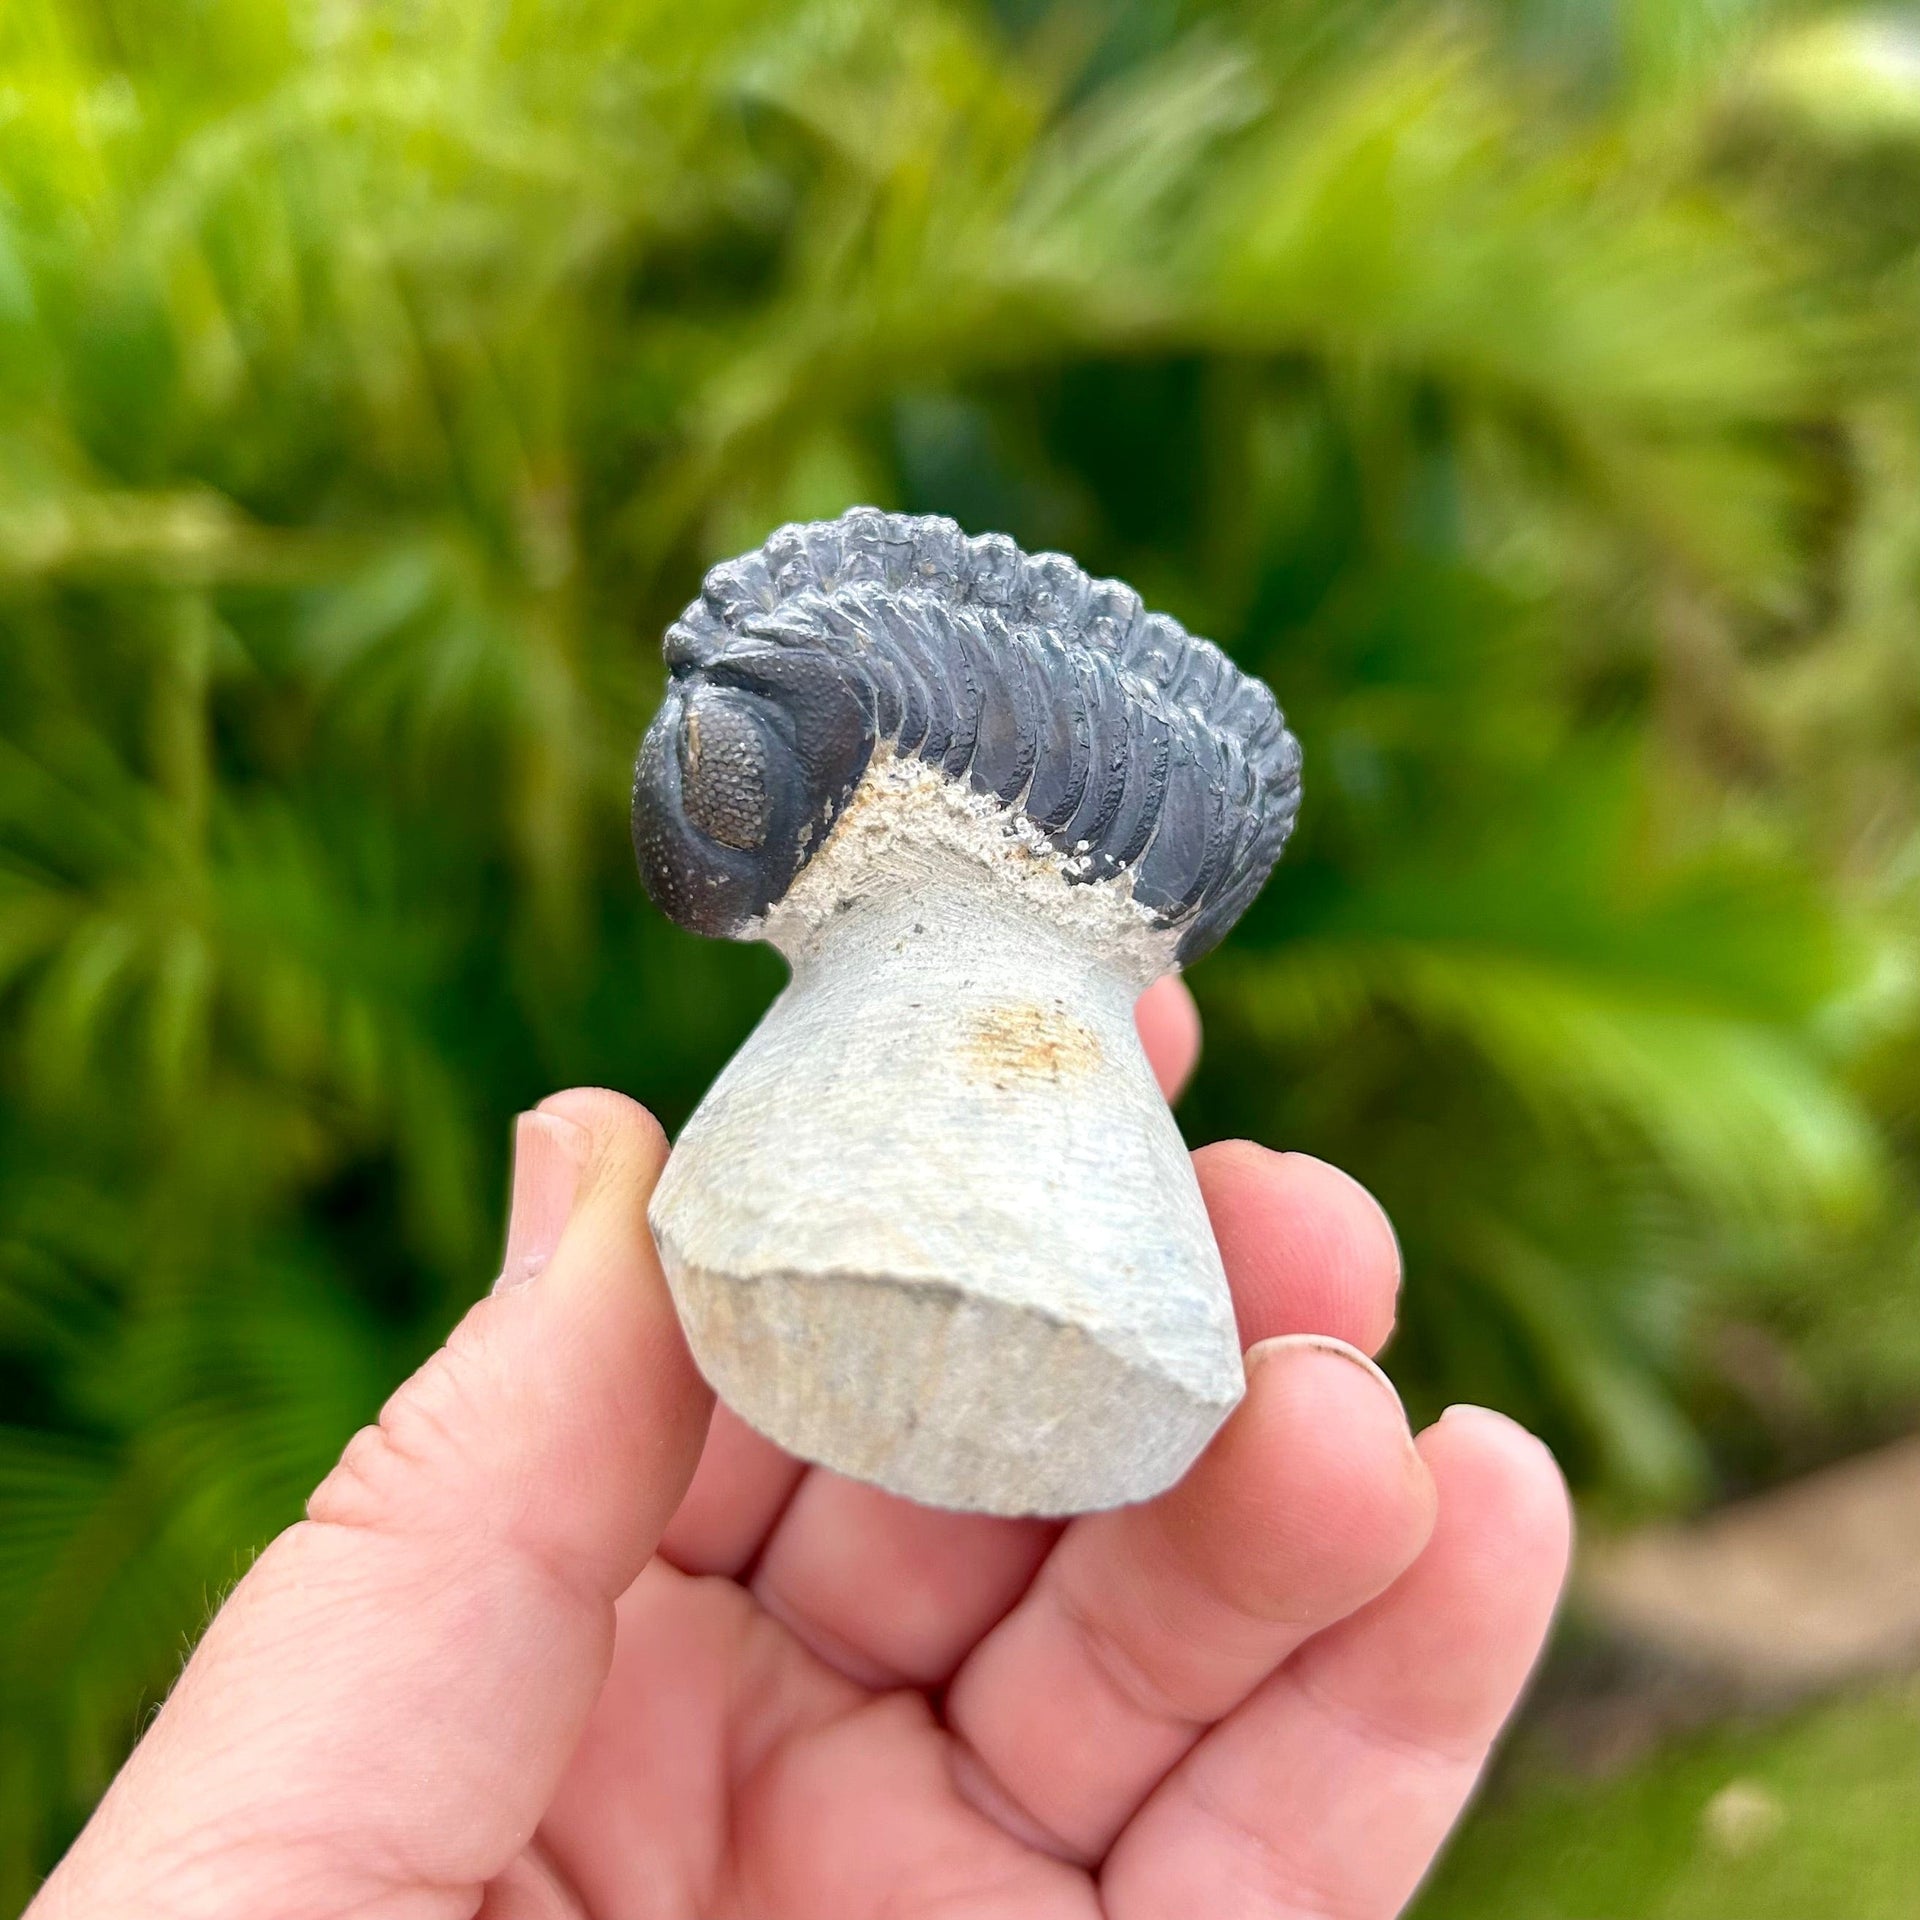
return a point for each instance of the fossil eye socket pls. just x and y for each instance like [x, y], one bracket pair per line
[723, 772]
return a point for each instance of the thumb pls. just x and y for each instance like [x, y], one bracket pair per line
[379, 1715]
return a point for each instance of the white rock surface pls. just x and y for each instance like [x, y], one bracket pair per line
[934, 1225]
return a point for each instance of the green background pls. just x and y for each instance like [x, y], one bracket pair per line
[1530, 391]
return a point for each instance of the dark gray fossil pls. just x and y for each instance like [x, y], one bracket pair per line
[1131, 745]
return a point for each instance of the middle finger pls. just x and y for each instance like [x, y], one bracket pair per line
[1150, 1623]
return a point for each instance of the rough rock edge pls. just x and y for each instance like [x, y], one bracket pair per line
[906, 813]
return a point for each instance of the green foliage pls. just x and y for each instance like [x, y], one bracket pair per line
[1525, 391]
[1808, 1818]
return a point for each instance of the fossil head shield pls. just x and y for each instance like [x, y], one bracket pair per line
[1140, 753]
[933, 1225]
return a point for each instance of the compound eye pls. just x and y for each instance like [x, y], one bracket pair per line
[723, 771]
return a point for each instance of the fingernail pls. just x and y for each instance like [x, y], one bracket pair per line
[1264, 1350]
[549, 1155]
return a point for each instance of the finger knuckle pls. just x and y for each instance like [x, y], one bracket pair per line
[420, 1450]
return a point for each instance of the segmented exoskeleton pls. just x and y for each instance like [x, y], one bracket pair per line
[1134, 747]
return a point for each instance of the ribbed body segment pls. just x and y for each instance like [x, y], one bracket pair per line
[1136, 749]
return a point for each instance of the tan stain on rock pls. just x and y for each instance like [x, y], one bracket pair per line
[1024, 1044]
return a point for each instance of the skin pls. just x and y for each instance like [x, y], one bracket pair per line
[560, 1639]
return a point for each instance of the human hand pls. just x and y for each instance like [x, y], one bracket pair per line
[554, 1643]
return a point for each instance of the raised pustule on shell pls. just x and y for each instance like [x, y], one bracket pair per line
[934, 1226]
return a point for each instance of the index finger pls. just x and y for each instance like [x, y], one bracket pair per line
[1306, 1247]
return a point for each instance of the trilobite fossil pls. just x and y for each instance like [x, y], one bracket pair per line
[1134, 748]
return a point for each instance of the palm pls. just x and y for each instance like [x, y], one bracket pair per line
[782, 1744]
[1269, 1691]
[735, 1771]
